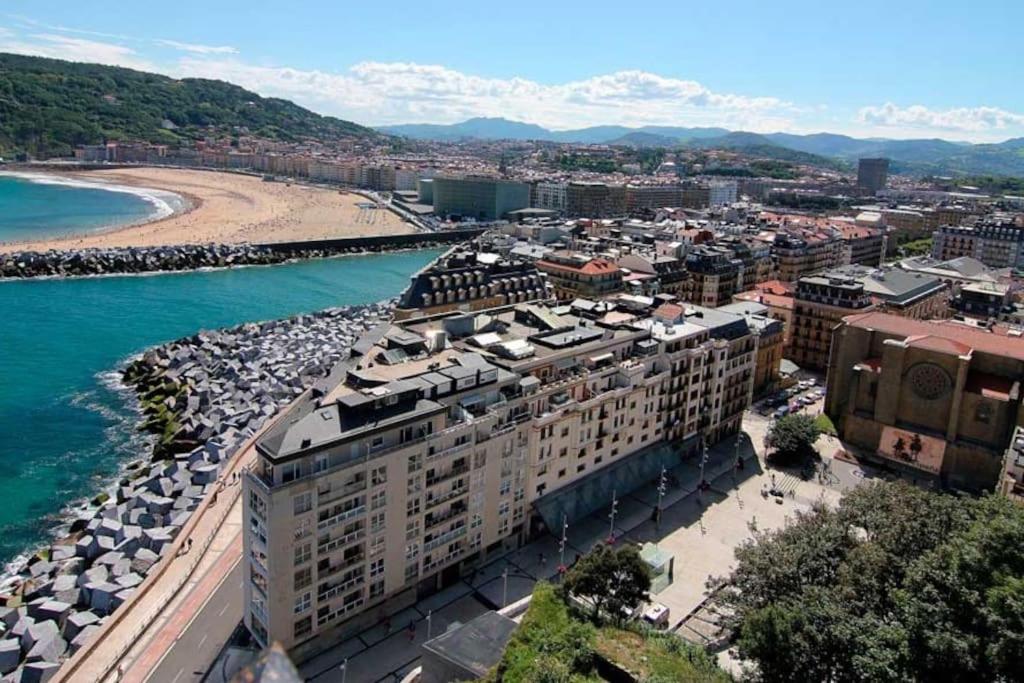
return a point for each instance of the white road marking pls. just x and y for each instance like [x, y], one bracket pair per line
[203, 639]
[177, 675]
[223, 610]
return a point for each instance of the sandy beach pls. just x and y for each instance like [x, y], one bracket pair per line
[231, 208]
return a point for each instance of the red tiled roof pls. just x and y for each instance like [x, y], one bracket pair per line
[963, 337]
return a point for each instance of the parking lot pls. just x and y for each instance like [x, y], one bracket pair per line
[807, 395]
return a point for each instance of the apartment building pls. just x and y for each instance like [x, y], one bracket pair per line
[482, 199]
[641, 197]
[549, 196]
[395, 476]
[864, 245]
[770, 342]
[722, 192]
[714, 276]
[670, 272]
[777, 297]
[872, 174]
[572, 275]
[754, 257]
[822, 301]
[937, 400]
[997, 245]
[464, 280]
[800, 252]
[595, 200]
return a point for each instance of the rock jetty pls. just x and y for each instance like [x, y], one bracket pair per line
[202, 397]
[128, 260]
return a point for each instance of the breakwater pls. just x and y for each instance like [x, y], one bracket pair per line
[201, 397]
[130, 260]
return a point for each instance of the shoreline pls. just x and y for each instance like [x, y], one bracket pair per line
[179, 204]
[222, 207]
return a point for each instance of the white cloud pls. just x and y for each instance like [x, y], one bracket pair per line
[962, 119]
[198, 49]
[399, 92]
[74, 49]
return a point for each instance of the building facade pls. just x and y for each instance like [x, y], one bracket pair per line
[482, 199]
[872, 174]
[595, 200]
[997, 245]
[398, 475]
[572, 275]
[937, 400]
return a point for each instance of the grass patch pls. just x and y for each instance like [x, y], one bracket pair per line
[825, 425]
[554, 645]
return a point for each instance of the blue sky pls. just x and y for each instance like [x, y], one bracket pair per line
[887, 69]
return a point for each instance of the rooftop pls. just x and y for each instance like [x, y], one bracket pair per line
[995, 342]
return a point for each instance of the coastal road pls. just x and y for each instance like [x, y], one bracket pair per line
[186, 650]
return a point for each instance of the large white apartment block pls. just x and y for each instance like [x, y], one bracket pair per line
[432, 445]
[548, 196]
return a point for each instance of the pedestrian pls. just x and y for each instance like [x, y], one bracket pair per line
[540, 557]
[411, 631]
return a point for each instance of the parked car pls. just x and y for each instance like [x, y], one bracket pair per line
[781, 412]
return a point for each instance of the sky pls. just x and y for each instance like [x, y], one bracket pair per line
[895, 69]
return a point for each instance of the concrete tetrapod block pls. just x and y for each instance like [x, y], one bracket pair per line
[83, 637]
[49, 648]
[54, 610]
[10, 655]
[65, 589]
[101, 596]
[77, 622]
[93, 575]
[205, 474]
[37, 632]
[144, 559]
[39, 672]
[120, 598]
[8, 617]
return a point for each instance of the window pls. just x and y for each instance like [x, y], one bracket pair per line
[379, 500]
[377, 567]
[379, 475]
[414, 485]
[415, 462]
[506, 485]
[302, 503]
[320, 463]
[476, 521]
[303, 552]
[412, 571]
[412, 529]
[303, 577]
[983, 413]
[377, 521]
[303, 528]
[413, 506]
[376, 589]
[504, 508]
[303, 627]
[303, 602]
[412, 551]
[377, 545]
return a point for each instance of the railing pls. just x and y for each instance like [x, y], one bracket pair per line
[454, 493]
[344, 609]
[340, 517]
[340, 542]
[346, 490]
[449, 451]
[446, 537]
[340, 567]
[443, 560]
[445, 476]
[334, 591]
[450, 515]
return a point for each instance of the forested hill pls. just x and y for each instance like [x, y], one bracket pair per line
[49, 106]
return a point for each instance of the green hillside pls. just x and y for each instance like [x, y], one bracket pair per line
[49, 106]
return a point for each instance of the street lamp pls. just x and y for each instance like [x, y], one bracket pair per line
[344, 669]
[661, 494]
[504, 587]
[611, 516]
[703, 461]
[429, 614]
[562, 543]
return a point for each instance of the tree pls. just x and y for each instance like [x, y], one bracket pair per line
[792, 439]
[896, 584]
[616, 581]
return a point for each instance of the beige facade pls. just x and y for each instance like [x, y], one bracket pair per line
[397, 477]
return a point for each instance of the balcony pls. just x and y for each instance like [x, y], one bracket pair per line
[455, 511]
[343, 491]
[335, 591]
[331, 570]
[451, 450]
[340, 542]
[456, 471]
[341, 611]
[334, 520]
[446, 537]
[441, 561]
[434, 501]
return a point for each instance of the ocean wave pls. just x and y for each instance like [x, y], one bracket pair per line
[164, 202]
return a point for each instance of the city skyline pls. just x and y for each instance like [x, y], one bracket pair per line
[738, 68]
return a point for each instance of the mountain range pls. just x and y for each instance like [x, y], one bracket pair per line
[50, 106]
[926, 156]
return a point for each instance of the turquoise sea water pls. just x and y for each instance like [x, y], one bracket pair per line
[64, 426]
[36, 206]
